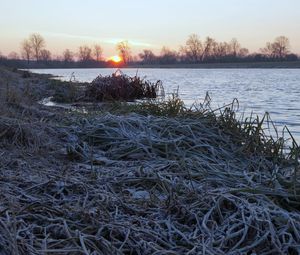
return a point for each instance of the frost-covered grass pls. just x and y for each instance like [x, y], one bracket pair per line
[148, 178]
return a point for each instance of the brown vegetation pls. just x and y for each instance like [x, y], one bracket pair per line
[119, 86]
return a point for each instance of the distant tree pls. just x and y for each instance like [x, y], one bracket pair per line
[85, 53]
[193, 48]
[168, 56]
[221, 50]
[147, 56]
[243, 52]
[13, 55]
[45, 55]
[208, 48]
[68, 56]
[268, 50]
[124, 50]
[37, 43]
[280, 48]
[26, 50]
[235, 47]
[97, 51]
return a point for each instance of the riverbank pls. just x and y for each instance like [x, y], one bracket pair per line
[139, 179]
[233, 65]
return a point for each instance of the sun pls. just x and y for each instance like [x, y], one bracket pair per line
[116, 59]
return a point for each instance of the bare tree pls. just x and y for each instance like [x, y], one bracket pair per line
[147, 56]
[124, 50]
[85, 53]
[235, 47]
[193, 48]
[45, 55]
[37, 43]
[68, 56]
[268, 50]
[208, 48]
[97, 52]
[26, 50]
[221, 50]
[280, 48]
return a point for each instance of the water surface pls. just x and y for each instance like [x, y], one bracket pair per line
[275, 91]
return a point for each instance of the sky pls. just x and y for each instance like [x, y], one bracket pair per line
[147, 23]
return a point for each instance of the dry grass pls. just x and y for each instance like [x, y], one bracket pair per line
[140, 184]
[165, 180]
[66, 92]
[120, 87]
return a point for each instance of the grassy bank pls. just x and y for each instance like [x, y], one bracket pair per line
[148, 178]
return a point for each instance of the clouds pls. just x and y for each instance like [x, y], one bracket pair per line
[93, 39]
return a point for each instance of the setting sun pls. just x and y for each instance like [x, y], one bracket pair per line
[115, 59]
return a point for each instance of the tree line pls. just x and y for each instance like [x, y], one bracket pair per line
[195, 50]
[211, 51]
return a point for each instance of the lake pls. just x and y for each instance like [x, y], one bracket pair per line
[275, 91]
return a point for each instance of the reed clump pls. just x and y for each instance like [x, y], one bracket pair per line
[121, 87]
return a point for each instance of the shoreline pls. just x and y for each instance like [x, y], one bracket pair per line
[117, 178]
[241, 65]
